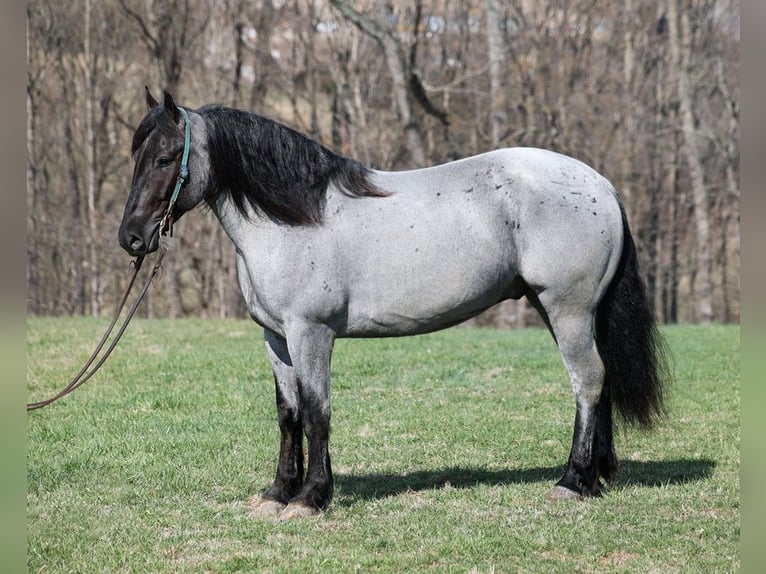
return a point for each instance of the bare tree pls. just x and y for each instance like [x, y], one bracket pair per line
[397, 65]
[169, 31]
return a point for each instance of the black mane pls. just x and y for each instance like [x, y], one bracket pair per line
[277, 171]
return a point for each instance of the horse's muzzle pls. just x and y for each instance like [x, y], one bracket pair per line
[137, 241]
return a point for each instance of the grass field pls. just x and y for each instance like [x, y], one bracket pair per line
[444, 448]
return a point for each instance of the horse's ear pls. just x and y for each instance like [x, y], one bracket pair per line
[150, 101]
[170, 106]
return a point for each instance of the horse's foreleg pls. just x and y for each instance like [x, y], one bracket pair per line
[574, 334]
[311, 349]
[289, 477]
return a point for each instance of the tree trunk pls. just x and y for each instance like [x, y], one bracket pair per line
[670, 303]
[680, 50]
[33, 295]
[91, 263]
[730, 200]
[627, 118]
[496, 58]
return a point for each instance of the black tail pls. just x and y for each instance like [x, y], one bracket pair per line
[631, 347]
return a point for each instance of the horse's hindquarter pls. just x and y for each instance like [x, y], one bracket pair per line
[571, 231]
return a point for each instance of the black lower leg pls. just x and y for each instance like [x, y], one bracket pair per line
[581, 475]
[606, 457]
[289, 478]
[317, 489]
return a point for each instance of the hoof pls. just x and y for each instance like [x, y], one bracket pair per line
[561, 493]
[611, 481]
[298, 510]
[263, 507]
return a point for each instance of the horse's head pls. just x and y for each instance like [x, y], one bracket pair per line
[158, 148]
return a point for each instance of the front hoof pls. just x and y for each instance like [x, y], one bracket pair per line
[264, 507]
[562, 493]
[298, 510]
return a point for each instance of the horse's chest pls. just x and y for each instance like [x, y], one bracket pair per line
[260, 303]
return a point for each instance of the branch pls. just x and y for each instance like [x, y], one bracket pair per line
[366, 25]
[416, 85]
[419, 93]
[147, 36]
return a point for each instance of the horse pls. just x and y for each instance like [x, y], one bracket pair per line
[327, 247]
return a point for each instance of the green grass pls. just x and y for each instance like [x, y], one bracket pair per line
[444, 448]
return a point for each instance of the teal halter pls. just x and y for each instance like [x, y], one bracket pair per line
[183, 175]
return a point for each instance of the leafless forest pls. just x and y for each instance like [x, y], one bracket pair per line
[645, 91]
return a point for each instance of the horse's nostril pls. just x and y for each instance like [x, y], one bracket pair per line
[136, 243]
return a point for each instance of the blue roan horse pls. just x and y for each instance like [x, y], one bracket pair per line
[328, 248]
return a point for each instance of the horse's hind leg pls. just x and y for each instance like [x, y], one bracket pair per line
[573, 330]
[289, 477]
[607, 457]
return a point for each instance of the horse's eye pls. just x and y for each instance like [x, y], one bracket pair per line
[164, 161]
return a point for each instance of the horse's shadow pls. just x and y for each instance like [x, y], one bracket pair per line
[375, 486]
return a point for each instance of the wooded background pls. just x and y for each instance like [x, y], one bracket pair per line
[646, 92]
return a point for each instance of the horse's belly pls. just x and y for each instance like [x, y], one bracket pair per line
[417, 295]
[395, 321]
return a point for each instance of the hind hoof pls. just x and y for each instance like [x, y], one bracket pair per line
[560, 493]
[265, 507]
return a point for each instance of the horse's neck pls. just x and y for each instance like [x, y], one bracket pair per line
[239, 229]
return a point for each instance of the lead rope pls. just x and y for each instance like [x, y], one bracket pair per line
[84, 375]
[166, 226]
